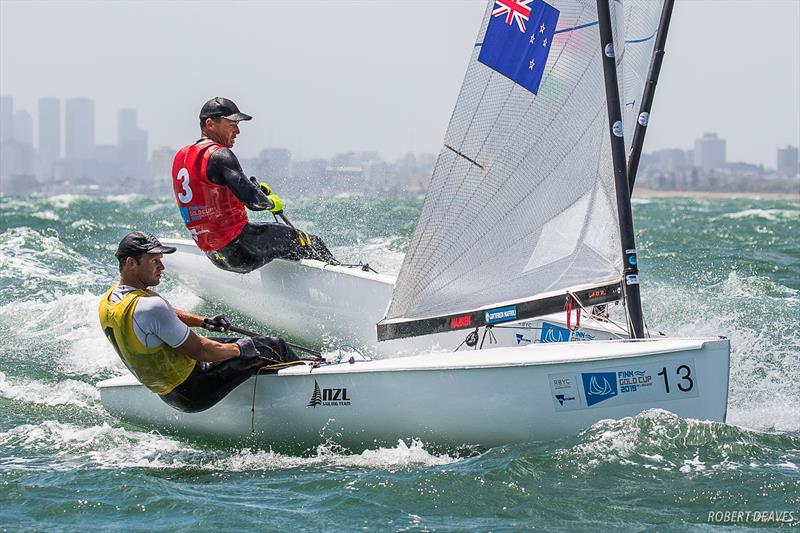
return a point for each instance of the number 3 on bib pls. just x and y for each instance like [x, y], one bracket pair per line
[186, 196]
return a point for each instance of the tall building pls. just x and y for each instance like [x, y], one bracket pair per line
[787, 161]
[23, 127]
[709, 152]
[132, 142]
[6, 118]
[79, 128]
[49, 130]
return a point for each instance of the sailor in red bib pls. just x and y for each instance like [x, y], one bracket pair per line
[214, 194]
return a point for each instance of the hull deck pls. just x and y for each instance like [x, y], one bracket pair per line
[483, 398]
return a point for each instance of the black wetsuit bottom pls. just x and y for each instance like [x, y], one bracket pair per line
[211, 382]
[261, 242]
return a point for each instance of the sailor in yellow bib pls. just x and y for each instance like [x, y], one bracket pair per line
[154, 340]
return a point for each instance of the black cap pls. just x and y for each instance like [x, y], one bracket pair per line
[224, 108]
[139, 242]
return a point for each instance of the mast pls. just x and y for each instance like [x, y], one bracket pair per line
[625, 214]
[649, 92]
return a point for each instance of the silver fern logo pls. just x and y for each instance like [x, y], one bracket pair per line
[316, 396]
[328, 397]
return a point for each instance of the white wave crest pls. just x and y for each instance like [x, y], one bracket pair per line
[68, 446]
[378, 252]
[69, 392]
[767, 214]
[330, 455]
[47, 214]
[37, 258]
[65, 331]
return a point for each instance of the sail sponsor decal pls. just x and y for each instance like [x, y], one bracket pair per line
[518, 40]
[501, 314]
[463, 321]
[328, 397]
[609, 387]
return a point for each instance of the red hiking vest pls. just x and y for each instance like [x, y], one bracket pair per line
[211, 212]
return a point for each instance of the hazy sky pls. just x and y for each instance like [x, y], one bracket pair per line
[324, 77]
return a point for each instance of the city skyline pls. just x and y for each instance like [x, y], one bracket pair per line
[341, 83]
[82, 121]
[130, 165]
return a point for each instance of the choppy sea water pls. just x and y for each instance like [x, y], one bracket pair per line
[709, 266]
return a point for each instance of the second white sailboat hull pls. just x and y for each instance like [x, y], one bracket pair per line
[312, 302]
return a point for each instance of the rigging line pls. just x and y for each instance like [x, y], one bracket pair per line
[589, 316]
[464, 156]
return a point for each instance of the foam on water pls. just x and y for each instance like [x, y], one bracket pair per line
[329, 455]
[660, 440]
[767, 214]
[39, 262]
[380, 252]
[765, 360]
[65, 331]
[46, 215]
[68, 392]
[68, 446]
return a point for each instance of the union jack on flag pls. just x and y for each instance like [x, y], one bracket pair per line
[519, 51]
[514, 10]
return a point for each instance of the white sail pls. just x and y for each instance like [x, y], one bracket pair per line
[641, 18]
[522, 199]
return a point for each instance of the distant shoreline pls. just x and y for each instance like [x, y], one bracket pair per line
[650, 193]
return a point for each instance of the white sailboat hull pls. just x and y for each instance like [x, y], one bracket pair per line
[310, 302]
[486, 398]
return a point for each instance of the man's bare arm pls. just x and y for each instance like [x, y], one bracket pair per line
[200, 348]
[190, 319]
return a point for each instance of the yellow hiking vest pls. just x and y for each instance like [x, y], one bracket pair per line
[160, 369]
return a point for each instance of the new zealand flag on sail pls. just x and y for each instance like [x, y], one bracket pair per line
[518, 40]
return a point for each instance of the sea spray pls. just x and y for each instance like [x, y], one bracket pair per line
[709, 267]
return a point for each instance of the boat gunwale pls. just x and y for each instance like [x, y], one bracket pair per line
[688, 344]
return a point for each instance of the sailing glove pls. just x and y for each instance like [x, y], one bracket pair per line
[266, 189]
[216, 323]
[247, 349]
[277, 203]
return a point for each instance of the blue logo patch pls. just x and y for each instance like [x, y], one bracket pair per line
[599, 386]
[501, 314]
[553, 333]
[184, 214]
[521, 338]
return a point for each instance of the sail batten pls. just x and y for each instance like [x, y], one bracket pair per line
[522, 200]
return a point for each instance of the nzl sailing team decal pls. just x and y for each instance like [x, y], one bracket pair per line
[608, 387]
[331, 397]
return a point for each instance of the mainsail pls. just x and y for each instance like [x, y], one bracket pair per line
[641, 18]
[522, 201]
